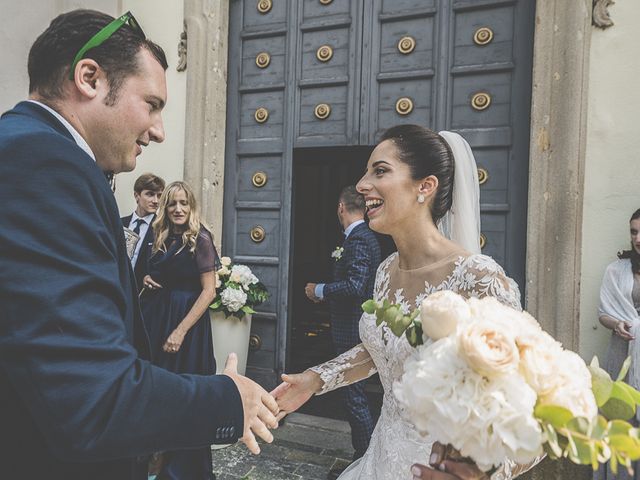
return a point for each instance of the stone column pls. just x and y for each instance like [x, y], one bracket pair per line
[556, 180]
[207, 31]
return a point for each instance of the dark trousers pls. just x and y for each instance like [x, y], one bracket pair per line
[358, 412]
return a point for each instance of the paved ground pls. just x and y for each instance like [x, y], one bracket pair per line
[305, 447]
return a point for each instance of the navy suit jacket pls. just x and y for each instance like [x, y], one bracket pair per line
[354, 277]
[142, 262]
[77, 399]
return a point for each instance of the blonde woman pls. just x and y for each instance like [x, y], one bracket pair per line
[178, 290]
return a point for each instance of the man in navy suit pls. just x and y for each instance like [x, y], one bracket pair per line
[146, 191]
[79, 398]
[355, 268]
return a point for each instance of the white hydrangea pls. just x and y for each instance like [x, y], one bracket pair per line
[243, 275]
[233, 298]
[486, 419]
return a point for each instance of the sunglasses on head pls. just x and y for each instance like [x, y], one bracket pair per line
[104, 34]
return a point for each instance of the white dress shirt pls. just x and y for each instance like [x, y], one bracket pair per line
[74, 133]
[144, 226]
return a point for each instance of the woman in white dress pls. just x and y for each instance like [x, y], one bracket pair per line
[415, 193]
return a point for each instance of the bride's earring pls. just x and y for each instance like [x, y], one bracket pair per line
[420, 198]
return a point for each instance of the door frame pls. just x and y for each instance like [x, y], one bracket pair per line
[556, 158]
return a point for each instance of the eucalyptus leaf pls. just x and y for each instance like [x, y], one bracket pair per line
[620, 405]
[557, 416]
[625, 369]
[579, 425]
[633, 393]
[601, 383]
[599, 428]
[369, 307]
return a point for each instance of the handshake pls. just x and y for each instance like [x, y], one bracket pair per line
[263, 410]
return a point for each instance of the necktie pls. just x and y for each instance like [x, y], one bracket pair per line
[139, 222]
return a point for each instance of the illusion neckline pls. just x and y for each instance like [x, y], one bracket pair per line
[457, 254]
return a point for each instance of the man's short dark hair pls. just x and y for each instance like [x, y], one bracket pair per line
[52, 53]
[352, 200]
[148, 181]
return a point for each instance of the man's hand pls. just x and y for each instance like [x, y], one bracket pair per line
[260, 408]
[310, 291]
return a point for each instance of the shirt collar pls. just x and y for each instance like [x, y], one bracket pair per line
[146, 218]
[74, 133]
[350, 228]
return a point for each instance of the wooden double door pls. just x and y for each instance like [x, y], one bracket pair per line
[307, 75]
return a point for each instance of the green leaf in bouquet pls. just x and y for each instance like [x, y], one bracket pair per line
[581, 450]
[579, 425]
[369, 306]
[248, 310]
[216, 304]
[619, 427]
[555, 415]
[620, 405]
[626, 445]
[633, 393]
[625, 369]
[601, 383]
[599, 428]
[412, 336]
[552, 446]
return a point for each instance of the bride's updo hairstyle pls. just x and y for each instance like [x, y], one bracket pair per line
[426, 153]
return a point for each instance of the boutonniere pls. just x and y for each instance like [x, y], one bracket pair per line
[337, 253]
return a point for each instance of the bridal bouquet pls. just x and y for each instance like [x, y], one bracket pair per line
[238, 289]
[487, 380]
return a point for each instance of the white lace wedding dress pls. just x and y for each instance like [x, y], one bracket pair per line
[395, 444]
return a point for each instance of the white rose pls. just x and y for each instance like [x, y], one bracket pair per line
[441, 312]
[233, 298]
[223, 271]
[487, 348]
[225, 261]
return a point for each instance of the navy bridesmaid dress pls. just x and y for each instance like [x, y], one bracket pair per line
[178, 271]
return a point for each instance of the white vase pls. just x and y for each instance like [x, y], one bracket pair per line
[230, 334]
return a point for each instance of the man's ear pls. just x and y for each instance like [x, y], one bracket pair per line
[428, 186]
[88, 77]
[136, 196]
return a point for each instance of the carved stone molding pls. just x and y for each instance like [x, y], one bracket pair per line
[182, 50]
[601, 17]
[207, 22]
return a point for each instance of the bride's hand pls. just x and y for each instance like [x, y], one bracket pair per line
[445, 468]
[295, 390]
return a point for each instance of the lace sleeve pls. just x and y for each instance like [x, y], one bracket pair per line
[350, 367]
[482, 276]
[510, 469]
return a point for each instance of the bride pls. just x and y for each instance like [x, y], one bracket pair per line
[411, 186]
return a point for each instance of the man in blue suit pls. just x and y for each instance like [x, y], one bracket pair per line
[146, 191]
[79, 399]
[355, 268]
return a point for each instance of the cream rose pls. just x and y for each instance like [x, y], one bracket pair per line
[225, 261]
[540, 359]
[441, 312]
[488, 349]
[223, 271]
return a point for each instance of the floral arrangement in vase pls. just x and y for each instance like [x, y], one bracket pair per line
[490, 382]
[238, 290]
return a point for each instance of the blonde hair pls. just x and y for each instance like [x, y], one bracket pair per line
[162, 224]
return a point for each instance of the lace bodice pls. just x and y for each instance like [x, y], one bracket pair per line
[395, 444]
